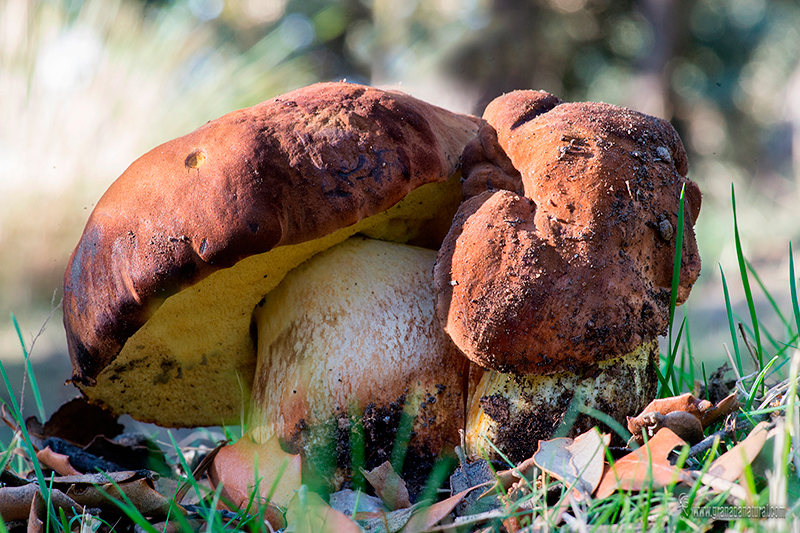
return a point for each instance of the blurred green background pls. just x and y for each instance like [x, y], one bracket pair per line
[88, 86]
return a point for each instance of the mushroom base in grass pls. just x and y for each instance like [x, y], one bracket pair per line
[515, 411]
[349, 342]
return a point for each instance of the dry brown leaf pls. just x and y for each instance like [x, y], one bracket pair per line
[685, 402]
[430, 516]
[385, 522]
[38, 514]
[15, 502]
[644, 467]
[388, 485]
[57, 462]
[706, 412]
[78, 422]
[235, 468]
[137, 489]
[731, 464]
[577, 462]
[507, 478]
[723, 408]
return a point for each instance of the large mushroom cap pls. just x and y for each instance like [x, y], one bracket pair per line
[159, 293]
[562, 255]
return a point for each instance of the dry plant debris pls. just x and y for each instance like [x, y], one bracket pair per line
[645, 467]
[577, 462]
[479, 496]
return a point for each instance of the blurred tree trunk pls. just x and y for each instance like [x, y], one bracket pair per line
[502, 57]
[651, 87]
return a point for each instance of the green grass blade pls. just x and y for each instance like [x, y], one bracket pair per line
[746, 283]
[688, 352]
[769, 297]
[676, 265]
[730, 322]
[758, 382]
[17, 414]
[665, 391]
[29, 371]
[673, 301]
[793, 287]
[402, 438]
[669, 372]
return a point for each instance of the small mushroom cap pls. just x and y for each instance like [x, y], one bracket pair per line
[158, 294]
[564, 258]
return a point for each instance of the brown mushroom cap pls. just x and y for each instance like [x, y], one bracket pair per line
[564, 257]
[158, 294]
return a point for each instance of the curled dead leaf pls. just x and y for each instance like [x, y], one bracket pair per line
[243, 466]
[703, 410]
[388, 485]
[577, 462]
[16, 502]
[647, 466]
[57, 462]
[731, 464]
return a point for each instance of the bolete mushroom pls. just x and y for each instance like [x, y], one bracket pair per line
[555, 278]
[160, 293]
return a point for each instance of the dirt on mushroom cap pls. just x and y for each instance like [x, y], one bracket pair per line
[569, 263]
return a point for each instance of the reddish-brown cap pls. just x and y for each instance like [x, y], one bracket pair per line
[569, 260]
[291, 170]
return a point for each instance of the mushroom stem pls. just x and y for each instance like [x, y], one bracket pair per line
[351, 337]
[515, 411]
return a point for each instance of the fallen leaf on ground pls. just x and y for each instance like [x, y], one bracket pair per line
[388, 485]
[15, 502]
[78, 422]
[428, 517]
[235, 467]
[651, 419]
[577, 462]
[731, 464]
[98, 491]
[308, 513]
[647, 466]
[38, 514]
[57, 462]
[506, 478]
[684, 402]
[721, 409]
